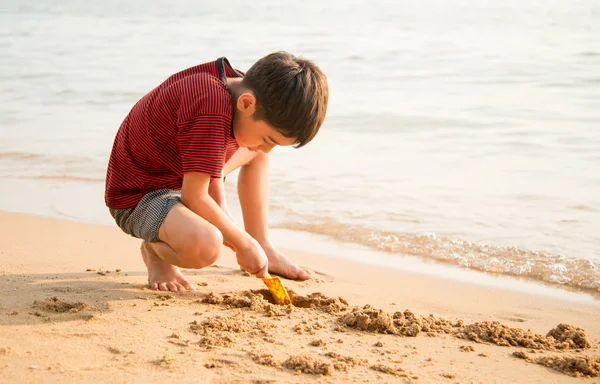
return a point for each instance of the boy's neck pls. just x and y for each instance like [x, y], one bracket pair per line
[235, 84]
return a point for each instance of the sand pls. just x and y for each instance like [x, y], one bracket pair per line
[75, 308]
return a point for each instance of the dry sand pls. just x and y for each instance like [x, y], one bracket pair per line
[74, 308]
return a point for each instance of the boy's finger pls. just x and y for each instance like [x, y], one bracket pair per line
[262, 272]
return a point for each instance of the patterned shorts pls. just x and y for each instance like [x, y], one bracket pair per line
[144, 220]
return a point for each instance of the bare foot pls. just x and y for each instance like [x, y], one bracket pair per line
[282, 266]
[162, 275]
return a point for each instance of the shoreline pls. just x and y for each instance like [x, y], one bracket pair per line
[306, 242]
[116, 329]
[82, 202]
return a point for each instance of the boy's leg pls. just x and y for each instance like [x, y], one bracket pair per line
[188, 241]
[253, 191]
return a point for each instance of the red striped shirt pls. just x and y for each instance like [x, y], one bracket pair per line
[183, 125]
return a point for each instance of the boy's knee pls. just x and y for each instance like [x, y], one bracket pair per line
[204, 248]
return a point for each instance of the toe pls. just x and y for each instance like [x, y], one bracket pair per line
[153, 286]
[180, 288]
[172, 287]
[186, 284]
[304, 274]
[163, 287]
[189, 287]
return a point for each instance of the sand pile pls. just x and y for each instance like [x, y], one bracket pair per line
[344, 363]
[54, 304]
[570, 336]
[560, 338]
[266, 359]
[221, 331]
[410, 324]
[369, 319]
[236, 323]
[577, 366]
[319, 301]
[261, 300]
[308, 364]
[255, 301]
[311, 365]
[404, 323]
[225, 331]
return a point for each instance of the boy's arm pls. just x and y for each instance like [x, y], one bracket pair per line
[216, 190]
[195, 196]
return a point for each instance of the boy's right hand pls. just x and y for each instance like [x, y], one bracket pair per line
[252, 258]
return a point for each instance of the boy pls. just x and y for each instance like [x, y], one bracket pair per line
[164, 182]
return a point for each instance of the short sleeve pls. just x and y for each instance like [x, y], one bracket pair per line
[202, 142]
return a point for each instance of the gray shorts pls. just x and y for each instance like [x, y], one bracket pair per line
[144, 220]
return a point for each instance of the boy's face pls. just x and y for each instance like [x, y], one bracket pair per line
[256, 135]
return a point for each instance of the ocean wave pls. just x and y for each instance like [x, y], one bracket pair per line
[20, 155]
[45, 158]
[554, 269]
[62, 177]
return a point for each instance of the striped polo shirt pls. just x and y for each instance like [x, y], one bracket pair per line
[183, 125]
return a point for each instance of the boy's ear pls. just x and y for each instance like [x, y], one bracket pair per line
[246, 103]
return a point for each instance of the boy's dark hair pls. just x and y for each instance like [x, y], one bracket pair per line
[291, 95]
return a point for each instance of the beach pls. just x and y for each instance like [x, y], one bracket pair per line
[76, 308]
[448, 205]
[464, 134]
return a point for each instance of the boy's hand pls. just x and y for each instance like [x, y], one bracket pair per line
[194, 195]
[252, 258]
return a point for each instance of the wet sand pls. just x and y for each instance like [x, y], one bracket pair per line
[75, 308]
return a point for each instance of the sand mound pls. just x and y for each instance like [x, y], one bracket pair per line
[54, 304]
[588, 366]
[218, 340]
[319, 301]
[369, 319]
[246, 299]
[560, 338]
[410, 324]
[404, 323]
[577, 366]
[212, 298]
[308, 364]
[254, 300]
[261, 300]
[344, 363]
[237, 323]
[264, 359]
[221, 331]
[573, 336]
